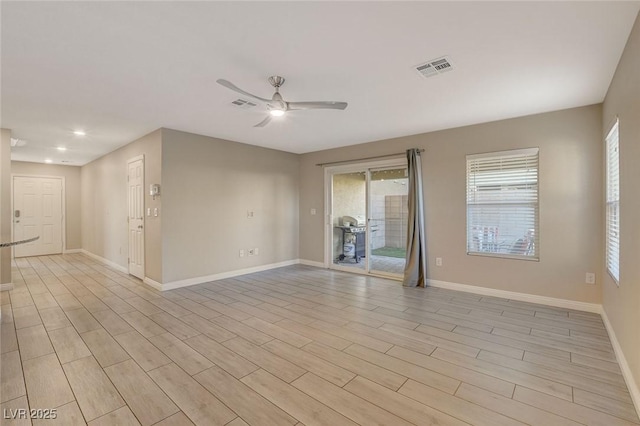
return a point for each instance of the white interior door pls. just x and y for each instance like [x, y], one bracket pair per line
[135, 186]
[37, 211]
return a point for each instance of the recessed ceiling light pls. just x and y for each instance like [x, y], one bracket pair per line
[79, 133]
[62, 148]
[48, 160]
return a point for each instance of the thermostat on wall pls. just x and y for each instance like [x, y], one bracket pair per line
[154, 189]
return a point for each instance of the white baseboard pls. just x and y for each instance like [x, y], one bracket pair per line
[622, 361]
[114, 265]
[522, 297]
[6, 286]
[311, 263]
[72, 251]
[199, 280]
[107, 262]
[152, 283]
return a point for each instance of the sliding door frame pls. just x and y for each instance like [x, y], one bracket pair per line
[329, 172]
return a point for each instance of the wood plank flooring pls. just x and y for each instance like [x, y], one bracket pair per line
[295, 346]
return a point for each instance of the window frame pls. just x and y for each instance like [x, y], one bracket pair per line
[611, 200]
[496, 154]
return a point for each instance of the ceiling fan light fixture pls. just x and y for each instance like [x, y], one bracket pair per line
[277, 106]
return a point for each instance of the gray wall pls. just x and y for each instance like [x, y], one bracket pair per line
[5, 205]
[570, 201]
[104, 204]
[208, 186]
[71, 174]
[622, 304]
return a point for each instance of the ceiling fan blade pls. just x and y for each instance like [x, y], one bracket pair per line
[317, 105]
[264, 122]
[230, 85]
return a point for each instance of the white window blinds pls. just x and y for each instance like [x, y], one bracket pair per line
[613, 203]
[502, 204]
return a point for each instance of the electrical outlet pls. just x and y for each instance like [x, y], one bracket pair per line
[241, 253]
[313, 212]
[252, 252]
[256, 251]
[438, 261]
[590, 278]
[249, 214]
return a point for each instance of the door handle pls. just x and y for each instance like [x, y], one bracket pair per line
[17, 213]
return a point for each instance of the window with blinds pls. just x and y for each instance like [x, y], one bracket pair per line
[613, 203]
[502, 204]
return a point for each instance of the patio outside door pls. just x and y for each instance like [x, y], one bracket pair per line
[388, 189]
[367, 218]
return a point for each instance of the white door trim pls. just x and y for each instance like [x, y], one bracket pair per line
[329, 171]
[64, 207]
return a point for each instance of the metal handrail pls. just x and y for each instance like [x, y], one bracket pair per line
[15, 243]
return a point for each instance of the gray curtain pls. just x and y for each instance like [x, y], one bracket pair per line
[415, 270]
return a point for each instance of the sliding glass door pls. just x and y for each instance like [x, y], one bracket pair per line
[388, 220]
[349, 227]
[367, 217]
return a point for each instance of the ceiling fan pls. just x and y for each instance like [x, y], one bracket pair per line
[277, 106]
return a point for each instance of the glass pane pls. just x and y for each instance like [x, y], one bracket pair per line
[389, 212]
[349, 219]
[502, 229]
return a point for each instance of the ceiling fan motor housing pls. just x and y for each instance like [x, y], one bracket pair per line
[276, 81]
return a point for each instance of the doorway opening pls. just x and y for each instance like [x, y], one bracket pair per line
[367, 214]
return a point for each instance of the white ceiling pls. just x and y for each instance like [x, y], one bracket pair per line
[119, 70]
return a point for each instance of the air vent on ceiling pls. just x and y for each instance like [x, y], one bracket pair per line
[243, 103]
[17, 142]
[435, 67]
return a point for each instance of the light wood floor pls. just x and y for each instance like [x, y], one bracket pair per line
[296, 345]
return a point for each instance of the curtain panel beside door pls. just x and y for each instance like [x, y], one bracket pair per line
[415, 271]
